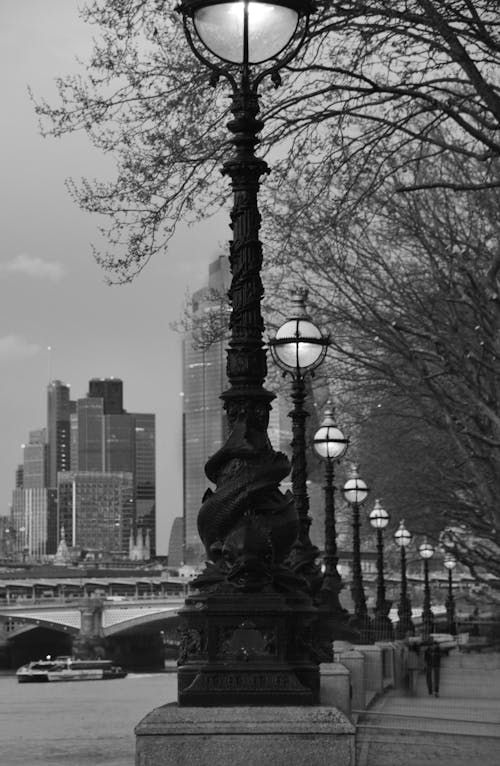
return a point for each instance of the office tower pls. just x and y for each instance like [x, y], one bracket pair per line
[95, 509]
[33, 512]
[35, 460]
[106, 438]
[204, 379]
[29, 515]
[145, 477]
[89, 455]
[58, 429]
[176, 543]
[110, 390]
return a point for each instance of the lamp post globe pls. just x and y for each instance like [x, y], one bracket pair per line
[330, 445]
[298, 348]
[242, 32]
[247, 525]
[450, 563]
[382, 625]
[426, 552]
[403, 538]
[355, 492]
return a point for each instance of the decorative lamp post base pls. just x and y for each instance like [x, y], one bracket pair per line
[251, 651]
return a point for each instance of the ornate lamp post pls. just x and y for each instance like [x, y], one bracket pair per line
[382, 625]
[450, 564]
[331, 445]
[403, 538]
[355, 492]
[298, 349]
[247, 630]
[426, 551]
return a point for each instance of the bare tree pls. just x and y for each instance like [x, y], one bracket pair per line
[382, 88]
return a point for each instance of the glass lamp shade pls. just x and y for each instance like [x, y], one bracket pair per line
[379, 518]
[355, 490]
[449, 561]
[426, 550]
[298, 345]
[402, 536]
[329, 441]
[244, 31]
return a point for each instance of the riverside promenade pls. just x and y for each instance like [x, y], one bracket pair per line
[460, 727]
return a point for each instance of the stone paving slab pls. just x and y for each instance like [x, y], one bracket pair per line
[460, 727]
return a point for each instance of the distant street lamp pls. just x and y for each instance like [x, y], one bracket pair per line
[331, 445]
[355, 492]
[403, 538]
[450, 564]
[298, 348]
[426, 551]
[382, 625]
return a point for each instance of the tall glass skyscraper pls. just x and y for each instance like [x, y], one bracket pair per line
[58, 429]
[204, 379]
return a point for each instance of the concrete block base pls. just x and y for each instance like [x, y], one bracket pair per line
[237, 736]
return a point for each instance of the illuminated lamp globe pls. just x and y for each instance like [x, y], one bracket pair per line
[450, 561]
[329, 441]
[299, 346]
[244, 32]
[355, 490]
[426, 550]
[379, 518]
[402, 536]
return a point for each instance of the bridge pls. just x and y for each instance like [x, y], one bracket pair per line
[59, 627]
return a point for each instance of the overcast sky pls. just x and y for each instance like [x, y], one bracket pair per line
[52, 293]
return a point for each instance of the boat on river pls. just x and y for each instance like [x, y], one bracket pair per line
[69, 669]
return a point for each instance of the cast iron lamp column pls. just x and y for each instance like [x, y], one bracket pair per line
[403, 538]
[450, 564]
[355, 492]
[246, 630]
[426, 551]
[298, 349]
[382, 625]
[331, 445]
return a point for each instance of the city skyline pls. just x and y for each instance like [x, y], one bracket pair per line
[53, 292]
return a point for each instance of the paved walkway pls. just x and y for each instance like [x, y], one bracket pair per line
[459, 728]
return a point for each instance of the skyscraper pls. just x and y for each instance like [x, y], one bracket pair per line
[100, 451]
[106, 438]
[58, 430]
[95, 509]
[204, 379]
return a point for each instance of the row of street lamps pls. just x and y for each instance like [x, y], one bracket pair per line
[260, 582]
[298, 349]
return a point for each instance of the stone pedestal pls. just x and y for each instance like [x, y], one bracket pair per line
[354, 661]
[388, 663]
[238, 736]
[374, 681]
[335, 686]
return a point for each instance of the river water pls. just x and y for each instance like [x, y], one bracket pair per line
[77, 723]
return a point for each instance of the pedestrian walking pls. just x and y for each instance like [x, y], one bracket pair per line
[432, 660]
[413, 666]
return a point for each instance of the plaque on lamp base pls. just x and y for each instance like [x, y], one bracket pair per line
[252, 651]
